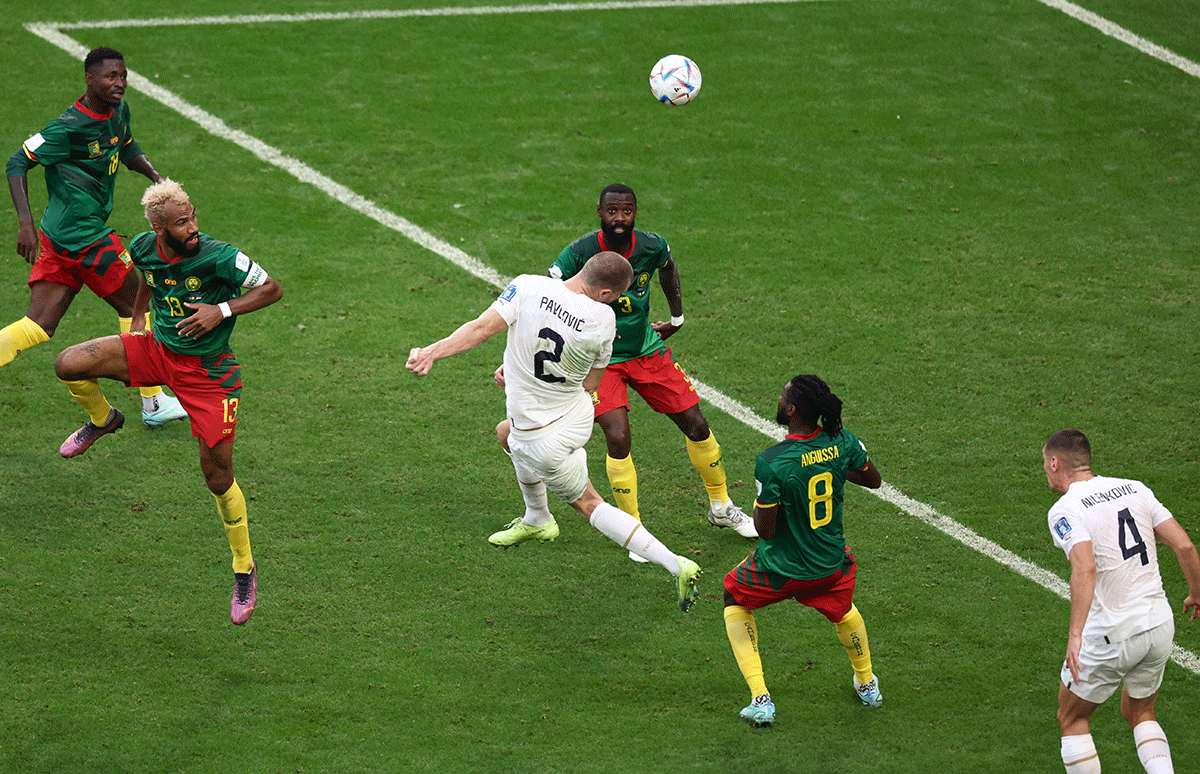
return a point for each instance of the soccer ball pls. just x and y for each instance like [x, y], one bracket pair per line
[675, 80]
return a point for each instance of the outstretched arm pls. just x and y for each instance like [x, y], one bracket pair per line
[1173, 534]
[468, 336]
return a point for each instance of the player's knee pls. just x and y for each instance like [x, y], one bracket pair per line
[218, 481]
[698, 432]
[502, 430]
[67, 366]
[619, 446]
[693, 424]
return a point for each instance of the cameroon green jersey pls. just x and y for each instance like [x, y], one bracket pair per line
[215, 274]
[80, 151]
[806, 477]
[649, 253]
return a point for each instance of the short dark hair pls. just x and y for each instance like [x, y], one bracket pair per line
[618, 188]
[98, 55]
[1073, 446]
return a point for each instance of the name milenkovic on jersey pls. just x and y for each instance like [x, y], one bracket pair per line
[1115, 493]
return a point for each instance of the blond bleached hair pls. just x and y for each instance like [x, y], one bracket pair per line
[158, 196]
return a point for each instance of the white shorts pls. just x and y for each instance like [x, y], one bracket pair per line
[1138, 661]
[555, 453]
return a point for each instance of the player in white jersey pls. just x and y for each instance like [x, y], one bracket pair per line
[1121, 626]
[560, 338]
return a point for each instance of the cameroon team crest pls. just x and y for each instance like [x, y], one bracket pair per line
[192, 283]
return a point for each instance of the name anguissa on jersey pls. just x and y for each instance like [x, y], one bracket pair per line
[818, 456]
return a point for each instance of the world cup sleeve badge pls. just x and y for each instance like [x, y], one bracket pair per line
[1062, 528]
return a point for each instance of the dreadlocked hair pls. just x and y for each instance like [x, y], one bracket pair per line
[814, 402]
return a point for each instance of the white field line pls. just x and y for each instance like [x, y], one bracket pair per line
[1125, 36]
[485, 10]
[968, 537]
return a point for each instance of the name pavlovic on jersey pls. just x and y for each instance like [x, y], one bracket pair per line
[555, 337]
[1118, 516]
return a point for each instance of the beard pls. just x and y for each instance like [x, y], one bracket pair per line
[781, 417]
[180, 248]
[611, 235]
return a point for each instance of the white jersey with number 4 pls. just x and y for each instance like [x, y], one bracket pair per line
[1118, 516]
[555, 337]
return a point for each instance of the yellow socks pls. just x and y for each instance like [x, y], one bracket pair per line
[706, 458]
[86, 393]
[232, 507]
[853, 633]
[622, 477]
[126, 324]
[18, 336]
[743, 638]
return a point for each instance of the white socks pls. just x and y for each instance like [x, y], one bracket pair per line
[1079, 755]
[537, 510]
[1152, 748]
[628, 532]
[1079, 752]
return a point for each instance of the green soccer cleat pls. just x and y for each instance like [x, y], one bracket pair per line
[689, 573]
[518, 532]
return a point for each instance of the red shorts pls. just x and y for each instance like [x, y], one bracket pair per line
[657, 378]
[208, 386]
[831, 596]
[101, 266]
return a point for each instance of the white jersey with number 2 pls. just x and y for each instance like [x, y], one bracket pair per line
[1118, 516]
[555, 337]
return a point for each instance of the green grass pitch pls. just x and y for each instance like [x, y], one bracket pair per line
[976, 220]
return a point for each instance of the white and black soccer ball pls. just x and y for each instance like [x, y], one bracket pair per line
[675, 80]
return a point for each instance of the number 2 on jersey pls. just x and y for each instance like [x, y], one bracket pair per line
[539, 360]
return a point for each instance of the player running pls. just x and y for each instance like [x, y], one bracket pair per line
[80, 152]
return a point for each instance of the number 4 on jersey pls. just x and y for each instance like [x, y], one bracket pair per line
[1129, 538]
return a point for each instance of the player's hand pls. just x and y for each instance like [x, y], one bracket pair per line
[1074, 642]
[1194, 604]
[207, 317]
[664, 329]
[27, 243]
[498, 376]
[419, 361]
